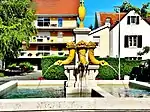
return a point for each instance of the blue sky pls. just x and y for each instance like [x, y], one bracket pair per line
[93, 6]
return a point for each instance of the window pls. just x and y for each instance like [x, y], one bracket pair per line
[48, 37]
[133, 58]
[43, 48]
[96, 36]
[39, 40]
[107, 20]
[132, 20]
[60, 22]
[133, 41]
[43, 21]
[139, 58]
[60, 48]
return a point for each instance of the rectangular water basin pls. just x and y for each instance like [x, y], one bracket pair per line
[37, 89]
[34, 92]
[31, 89]
[133, 89]
[106, 103]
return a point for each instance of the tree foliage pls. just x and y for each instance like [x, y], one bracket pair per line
[16, 25]
[91, 27]
[127, 7]
[145, 50]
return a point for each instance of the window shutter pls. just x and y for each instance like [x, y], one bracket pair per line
[140, 41]
[128, 20]
[126, 45]
[137, 20]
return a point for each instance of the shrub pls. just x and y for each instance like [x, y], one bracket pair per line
[12, 66]
[106, 73]
[26, 66]
[54, 72]
[1, 74]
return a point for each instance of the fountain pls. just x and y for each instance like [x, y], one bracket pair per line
[81, 83]
[81, 76]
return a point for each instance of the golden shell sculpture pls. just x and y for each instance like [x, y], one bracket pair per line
[81, 44]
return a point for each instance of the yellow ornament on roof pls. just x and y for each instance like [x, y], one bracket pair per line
[82, 13]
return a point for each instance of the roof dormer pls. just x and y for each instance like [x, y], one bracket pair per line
[107, 21]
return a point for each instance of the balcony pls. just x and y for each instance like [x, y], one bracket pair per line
[39, 54]
[50, 39]
[55, 25]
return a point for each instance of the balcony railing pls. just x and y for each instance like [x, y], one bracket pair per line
[39, 54]
[42, 39]
[48, 39]
[55, 25]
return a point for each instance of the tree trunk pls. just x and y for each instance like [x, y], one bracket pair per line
[3, 63]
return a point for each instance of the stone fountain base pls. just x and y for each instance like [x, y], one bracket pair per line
[78, 89]
[107, 103]
[83, 86]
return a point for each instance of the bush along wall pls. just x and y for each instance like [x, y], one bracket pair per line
[54, 72]
[106, 73]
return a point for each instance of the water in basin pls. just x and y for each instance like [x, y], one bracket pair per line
[121, 91]
[34, 92]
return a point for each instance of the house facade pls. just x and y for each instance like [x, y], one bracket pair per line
[134, 34]
[101, 38]
[55, 23]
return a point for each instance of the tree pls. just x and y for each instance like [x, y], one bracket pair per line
[127, 7]
[145, 50]
[144, 10]
[16, 26]
[91, 27]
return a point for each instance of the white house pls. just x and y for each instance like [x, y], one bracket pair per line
[101, 37]
[134, 34]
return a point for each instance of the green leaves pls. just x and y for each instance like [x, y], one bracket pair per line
[52, 72]
[55, 73]
[145, 50]
[16, 25]
[127, 7]
[126, 66]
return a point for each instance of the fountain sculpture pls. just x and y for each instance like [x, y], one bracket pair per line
[81, 77]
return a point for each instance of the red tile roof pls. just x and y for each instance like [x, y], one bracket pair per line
[57, 6]
[114, 17]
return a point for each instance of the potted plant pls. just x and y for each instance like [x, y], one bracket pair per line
[12, 66]
[60, 53]
[26, 67]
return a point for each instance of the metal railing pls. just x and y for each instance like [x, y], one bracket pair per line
[39, 54]
[48, 39]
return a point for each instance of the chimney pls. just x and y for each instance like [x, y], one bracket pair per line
[107, 22]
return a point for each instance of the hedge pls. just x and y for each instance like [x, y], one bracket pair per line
[53, 72]
[105, 72]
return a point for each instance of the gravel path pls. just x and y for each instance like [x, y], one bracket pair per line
[29, 76]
